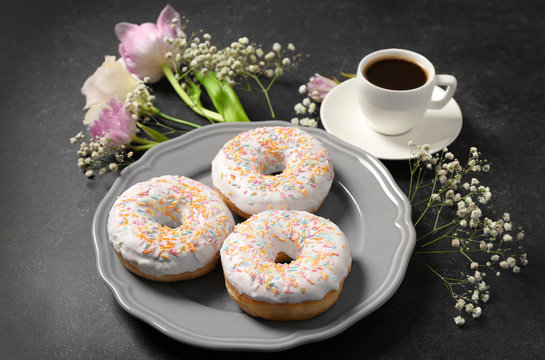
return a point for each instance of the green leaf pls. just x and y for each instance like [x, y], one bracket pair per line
[154, 134]
[194, 92]
[223, 97]
[211, 115]
[347, 75]
[143, 147]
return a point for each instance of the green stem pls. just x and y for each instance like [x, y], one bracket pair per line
[435, 229]
[431, 202]
[266, 93]
[212, 115]
[447, 284]
[143, 141]
[410, 183]
[143, 147]
[173, 119]
[223, 97]
[417, 185]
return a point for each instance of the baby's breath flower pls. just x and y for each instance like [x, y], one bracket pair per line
[442, 185]
[459, 320]
[460, 303]
[300, 108]
[511, 261]
[308, 122]
[270, 56]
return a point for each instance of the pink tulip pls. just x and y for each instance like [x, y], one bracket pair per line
[319, 87]
[114, 122]
[143, 47]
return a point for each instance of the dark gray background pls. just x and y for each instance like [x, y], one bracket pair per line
[55, 305]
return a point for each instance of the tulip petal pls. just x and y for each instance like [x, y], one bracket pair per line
[143, 47]
[91, 87]
[164, 23]
[114, 122]
[319, 87]
[122, 29]
[92, 114]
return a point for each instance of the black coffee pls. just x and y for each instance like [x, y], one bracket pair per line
[395, 74]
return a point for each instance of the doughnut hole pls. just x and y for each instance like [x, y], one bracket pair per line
[272, 164]
[283, 251]
[167, 213]
[282, 258]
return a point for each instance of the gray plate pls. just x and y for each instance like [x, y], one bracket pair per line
[364, 202]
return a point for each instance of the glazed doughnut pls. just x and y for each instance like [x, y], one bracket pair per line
[169, 228]
[285, 264]
[243, 171]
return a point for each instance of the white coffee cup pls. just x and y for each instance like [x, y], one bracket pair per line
[393, 111]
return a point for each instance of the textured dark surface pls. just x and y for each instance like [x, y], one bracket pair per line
[55, 305]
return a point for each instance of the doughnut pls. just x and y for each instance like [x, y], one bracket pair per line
[169, 228]
[285, 264]
[272, 168]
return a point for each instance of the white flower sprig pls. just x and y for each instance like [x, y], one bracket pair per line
[315, 90]
[242, 62]
[441, 193]
[99, 156]
[306, 109]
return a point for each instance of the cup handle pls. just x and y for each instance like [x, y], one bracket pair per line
[444, 80]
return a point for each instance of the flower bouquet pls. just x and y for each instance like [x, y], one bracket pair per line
[120, 112]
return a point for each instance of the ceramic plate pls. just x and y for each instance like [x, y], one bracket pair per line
[364, 202]
[340, 115]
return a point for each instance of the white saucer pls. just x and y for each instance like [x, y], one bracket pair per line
[341, 116]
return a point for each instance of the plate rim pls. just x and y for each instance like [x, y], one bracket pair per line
[348, 82]
[395, 275]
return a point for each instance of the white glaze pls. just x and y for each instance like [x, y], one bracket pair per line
[239, 170]
[169, 225]
[320, 252]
